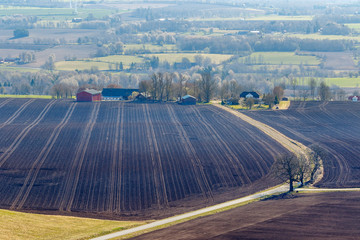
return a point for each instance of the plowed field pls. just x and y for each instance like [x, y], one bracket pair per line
[333, 125]
[126, 159]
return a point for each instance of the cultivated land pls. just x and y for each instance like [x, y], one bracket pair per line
[125, 159]
[333, 126]
[307, 216]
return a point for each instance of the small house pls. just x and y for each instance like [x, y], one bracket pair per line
[116, 94]
[188, 100]
[354, 98]
[246, 95]
[88, 95]
[140, 98]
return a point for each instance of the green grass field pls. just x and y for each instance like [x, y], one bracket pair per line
[343, 82]
[80, 65]
[55, 13]
[25, 96]
[279, 58]
[321, 37]
[125, 59]
[281, 18]
[171, 58]
[18, 226]
[151, 47]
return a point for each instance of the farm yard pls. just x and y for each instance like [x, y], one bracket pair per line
[127, 159]
[332, 125]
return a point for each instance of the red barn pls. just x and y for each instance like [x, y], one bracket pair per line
[88, 95]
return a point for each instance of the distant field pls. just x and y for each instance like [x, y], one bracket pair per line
[343, 82]
[354, 26]
[321, 37]
[18, 225]
[281, 18]
[25, 96]
[279, 58]
[80, 65]
[171, 58]
[151, 47]
[54, 13]
[125, 59]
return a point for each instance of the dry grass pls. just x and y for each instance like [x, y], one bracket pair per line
[18, 225]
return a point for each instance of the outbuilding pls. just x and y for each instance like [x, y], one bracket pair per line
[116, 94]
[88, 95]
[249, 95]
[188, 100]
[354, 98]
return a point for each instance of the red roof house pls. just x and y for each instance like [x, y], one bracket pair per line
[88, 95]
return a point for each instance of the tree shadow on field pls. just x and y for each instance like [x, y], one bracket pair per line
[287, 195]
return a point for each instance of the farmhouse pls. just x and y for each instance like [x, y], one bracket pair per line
[116, 94]
[88, 95]
[249, 95]
[140, 98]
[188, 100]
[354, 98]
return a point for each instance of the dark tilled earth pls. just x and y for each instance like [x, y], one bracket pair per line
[329, 215]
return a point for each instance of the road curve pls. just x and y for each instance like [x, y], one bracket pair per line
[276, 190]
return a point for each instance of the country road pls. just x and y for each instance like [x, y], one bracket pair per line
[277, 190]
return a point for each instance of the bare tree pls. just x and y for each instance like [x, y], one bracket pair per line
[294, 83]
[317, 155]
[304, 169]
[324, 92]
[168, 85]
[207, 84]
[312, 85]
[286, 168]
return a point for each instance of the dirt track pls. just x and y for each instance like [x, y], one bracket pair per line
[333, 215]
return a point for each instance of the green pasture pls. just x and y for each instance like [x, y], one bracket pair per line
[25, 96]
[125, 59]
[317, 36]
[354, 26]
[345, 82]
[152, 47]
[54, 13]
[280, 18]
[19, 69]
[80, 65]
[18, 226]
[280, 58]
[171, 58]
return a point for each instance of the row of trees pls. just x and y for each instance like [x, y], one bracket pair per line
[301, 168]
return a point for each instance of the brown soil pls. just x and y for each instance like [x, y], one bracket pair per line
[328, 215]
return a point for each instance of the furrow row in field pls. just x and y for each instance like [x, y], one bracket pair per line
[3, 103]
[36, 166]
[162, 199]
[23, 133]
[201, 179]
[72, 181]
[17, 113]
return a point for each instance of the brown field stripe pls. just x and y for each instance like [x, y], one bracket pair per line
[115, 172]
[119, 159]
[156, 161]
[5, 102]
[36, 166]
[196, 162]
[73, 179]
[230, 152]
[16, 113]
[24, 132]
